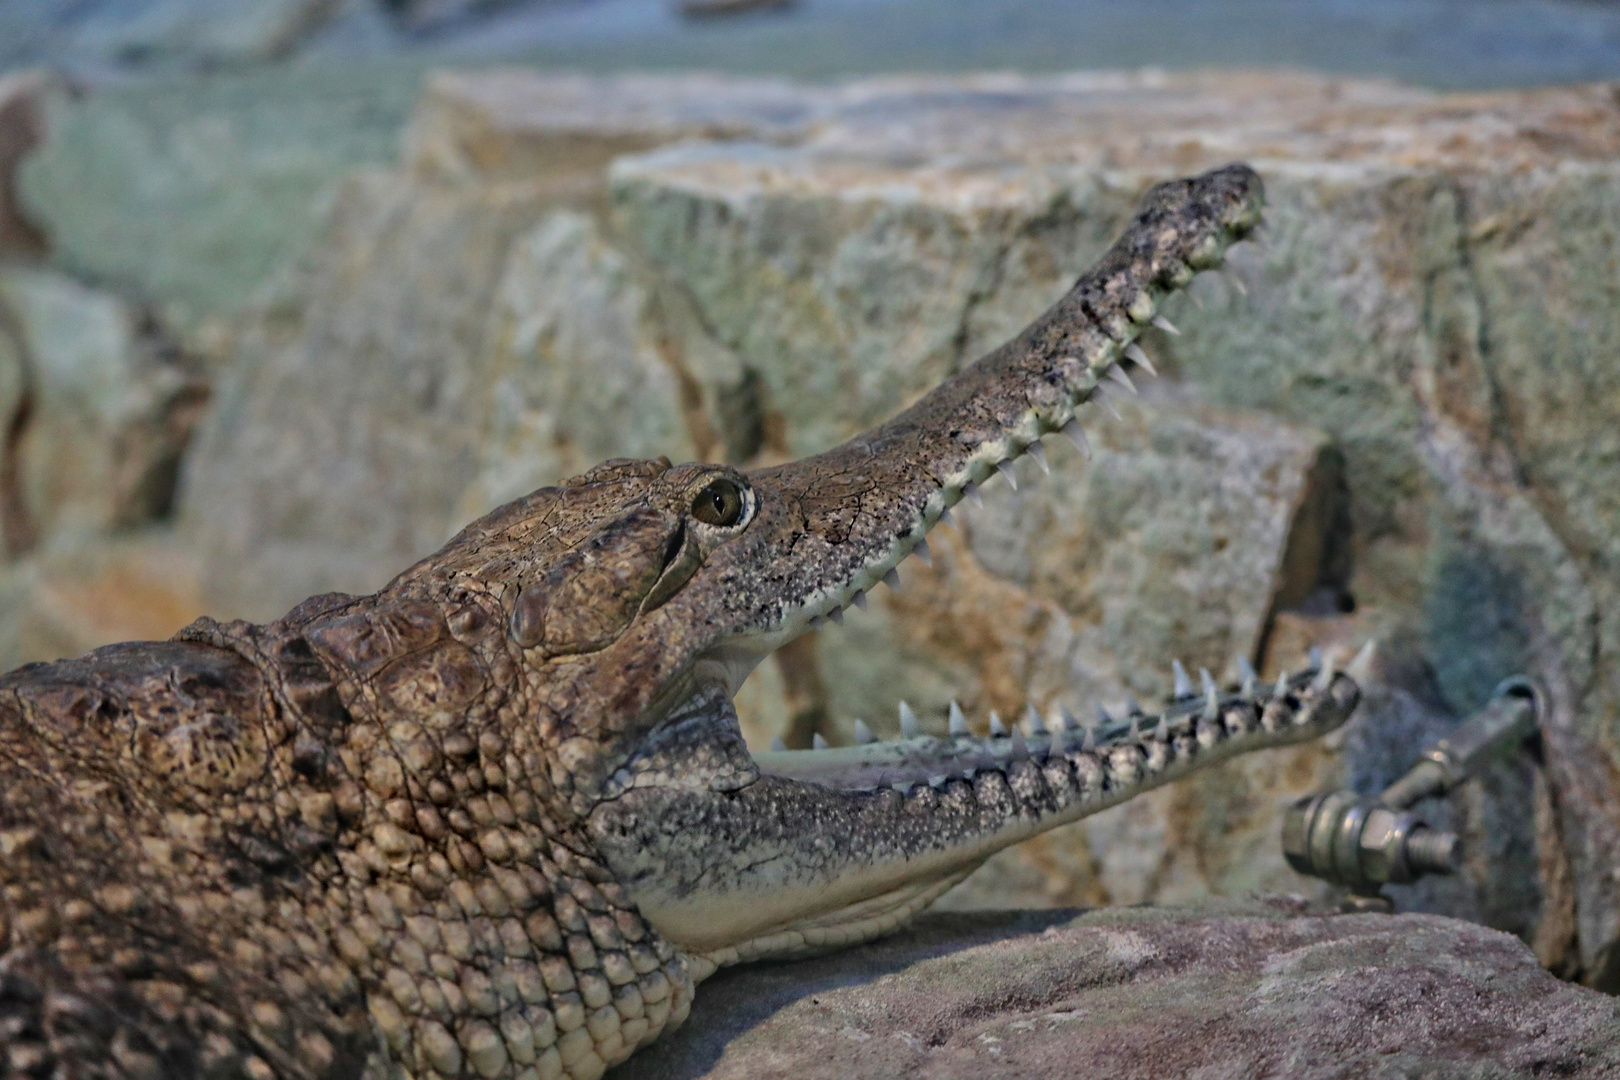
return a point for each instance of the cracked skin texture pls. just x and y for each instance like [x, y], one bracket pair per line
[497, 819]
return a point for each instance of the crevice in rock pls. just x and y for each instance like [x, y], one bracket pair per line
[1313, 576]
[699, 428]
[19, 533]
[741, 408]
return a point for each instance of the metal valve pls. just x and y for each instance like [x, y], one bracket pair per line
[1365, 844]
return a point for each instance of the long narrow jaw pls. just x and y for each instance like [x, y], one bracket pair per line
[733, 856]
[800, 851]
[833, 526]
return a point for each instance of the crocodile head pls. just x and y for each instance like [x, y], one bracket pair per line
[641, 594]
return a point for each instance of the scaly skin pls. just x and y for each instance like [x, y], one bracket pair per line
[497, 819]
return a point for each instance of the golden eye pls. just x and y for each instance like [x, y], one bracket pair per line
[721, 503]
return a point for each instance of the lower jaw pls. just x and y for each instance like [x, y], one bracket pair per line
[833, 847]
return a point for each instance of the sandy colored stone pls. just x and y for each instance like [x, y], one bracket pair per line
[1150, 993]
[99, 406]
[65, 602]
[508, 124]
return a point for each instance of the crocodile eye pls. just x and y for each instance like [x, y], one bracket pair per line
[721, 503]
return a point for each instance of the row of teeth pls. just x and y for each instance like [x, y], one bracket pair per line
[998, 455]
[1105, 729]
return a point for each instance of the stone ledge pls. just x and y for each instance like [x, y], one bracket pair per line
[1269, 991]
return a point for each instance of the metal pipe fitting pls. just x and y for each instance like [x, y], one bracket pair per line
[1365, 843]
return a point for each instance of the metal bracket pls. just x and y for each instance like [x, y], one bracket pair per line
[1363, 843]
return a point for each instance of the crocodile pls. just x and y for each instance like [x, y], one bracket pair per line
[498, 819]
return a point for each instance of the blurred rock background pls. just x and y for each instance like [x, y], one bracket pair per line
[290, 291]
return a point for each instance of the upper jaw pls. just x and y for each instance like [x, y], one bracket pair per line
[833, 526]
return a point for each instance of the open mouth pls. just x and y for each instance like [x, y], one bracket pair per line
[733, 855]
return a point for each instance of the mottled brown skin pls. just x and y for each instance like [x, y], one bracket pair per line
[497, 818]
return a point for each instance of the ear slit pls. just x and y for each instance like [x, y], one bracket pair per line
[672, 549]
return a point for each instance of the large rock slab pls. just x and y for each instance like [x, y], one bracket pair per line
[1149, 993]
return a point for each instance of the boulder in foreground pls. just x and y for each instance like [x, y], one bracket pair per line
[1149, 992]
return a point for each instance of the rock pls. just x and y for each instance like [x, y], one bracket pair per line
[98, 408]
[140, 586]
[192, 33]
[374, 370]
[423, 274]
[566, 129]
[435, 14]
[1149, 993]
[191, 194]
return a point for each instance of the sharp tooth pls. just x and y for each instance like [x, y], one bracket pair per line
[1206, 681]
[859, 599]
[1006, 468]
[1069, 722]
[1033, 721]
[923, 552]
[1101, 399]
[1360, 669]
[970, 772]
[937, 782]
[1103, 719]
[1250, 679]
[1090, 741]
[1162, 732]
[998, 730]
[1212, 700]
[1282, 685]
[947, 518]
[863, 734]
[816, 621]
[817, 742]
[958, 722]
[1315, 661]
[1133, 708]
[1038, 452]
[1117, 373]
[1140, 358]
[909, 727]
[1020, 749]
[971, 491]
[1166, 325]
[1183, 685]
[1324, 679]
[891, 578]
[777, 745]
[1236, 282]
[904, 786]
[1077, 435]
[836, 615]
[1136, 727]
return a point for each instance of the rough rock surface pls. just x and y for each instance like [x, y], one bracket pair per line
[1150, 993]
[98, 407]
[1401, 403]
